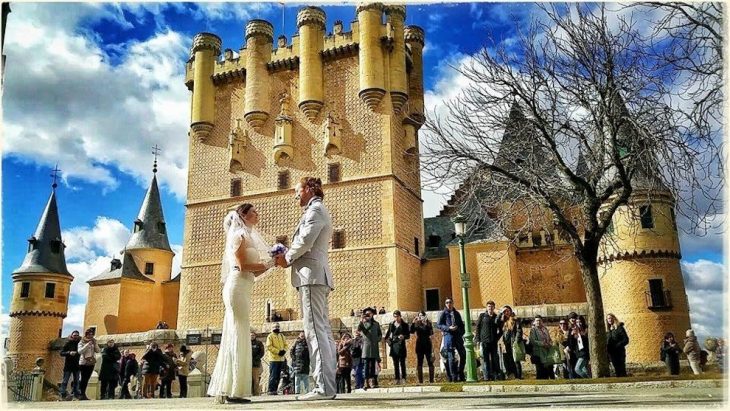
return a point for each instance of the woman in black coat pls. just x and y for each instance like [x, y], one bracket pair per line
[616, 343]
[109, 372]
[669, 353]
[511, 333]
[398, 333]
[423, 329]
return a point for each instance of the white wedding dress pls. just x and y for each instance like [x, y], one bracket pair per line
[232, 375]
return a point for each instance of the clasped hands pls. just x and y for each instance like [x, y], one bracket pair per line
[280, 261]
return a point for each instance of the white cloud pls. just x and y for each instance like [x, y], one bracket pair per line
[231, 11]
[4, 323]
[65, 101]
[703, 275]
[705, 282]
[74, 318]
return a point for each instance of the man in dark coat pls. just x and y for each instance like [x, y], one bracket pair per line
[452, 327]
[167, 373]
[489, 331]
[131, 367]
[71, 366]
[257, 353]
[109, 372]
[299, 354]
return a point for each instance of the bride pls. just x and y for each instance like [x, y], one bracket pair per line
[245, 259]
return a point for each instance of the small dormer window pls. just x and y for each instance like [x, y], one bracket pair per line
[138, 225]
[433, 240]
[149, 268]
[116, 264]
[161, 227]
[32, 244]
[55, 246]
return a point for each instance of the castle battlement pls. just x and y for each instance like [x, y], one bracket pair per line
[389, 62]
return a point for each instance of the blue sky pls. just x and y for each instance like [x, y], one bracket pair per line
[93, 87]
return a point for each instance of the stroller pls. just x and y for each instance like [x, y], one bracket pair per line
[286, 384]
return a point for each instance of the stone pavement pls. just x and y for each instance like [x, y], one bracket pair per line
[701, 393]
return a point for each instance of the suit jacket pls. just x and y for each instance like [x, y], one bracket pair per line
[308, 254]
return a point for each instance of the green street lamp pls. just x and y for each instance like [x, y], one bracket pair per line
[459, 229]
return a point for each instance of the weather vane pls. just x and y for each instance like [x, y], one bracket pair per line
[155, 150]
[55, 171]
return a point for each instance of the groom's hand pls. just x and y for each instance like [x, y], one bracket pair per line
[281, 261]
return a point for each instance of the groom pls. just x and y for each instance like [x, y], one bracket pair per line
[312, 277]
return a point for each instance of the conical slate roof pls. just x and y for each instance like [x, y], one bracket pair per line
[150, 230]
[121, 269]
[46, 248]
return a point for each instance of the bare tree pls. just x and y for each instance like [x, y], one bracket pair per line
[558, 132]
[688, 39]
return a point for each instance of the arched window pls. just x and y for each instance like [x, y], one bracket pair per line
[268, 310]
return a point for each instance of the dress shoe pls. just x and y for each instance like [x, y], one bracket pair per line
[314, 395]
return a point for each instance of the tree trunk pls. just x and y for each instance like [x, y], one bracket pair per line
[596, 319]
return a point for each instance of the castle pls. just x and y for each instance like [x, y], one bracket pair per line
[346, 106]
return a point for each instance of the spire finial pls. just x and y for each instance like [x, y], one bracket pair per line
[155, 150]
[55, 171]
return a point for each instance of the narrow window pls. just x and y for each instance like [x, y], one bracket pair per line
[283, 240]
[24, 289]
[415, 246]
[149, 268]
[656, 291]
[50, 290]
[674, 218]
[283, 180]
[647, 220]
[161, 227]
[138, 225]
[338, 239]
[333, 172]
[235, 187]
[56, 246]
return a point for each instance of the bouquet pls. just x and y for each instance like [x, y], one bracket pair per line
[278, 249]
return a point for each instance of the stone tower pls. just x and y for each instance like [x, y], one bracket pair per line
[345, 107]
[40, 292]
[639, 263]
[137, 291]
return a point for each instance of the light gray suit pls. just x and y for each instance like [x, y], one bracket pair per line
[311, 275]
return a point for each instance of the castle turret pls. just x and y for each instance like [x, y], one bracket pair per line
[259, 43]
[372, 76]
[639, 260]
[40, 292]
[204, 52]
[136, 291]
[398, 75]
[311, 23]
[414, 37]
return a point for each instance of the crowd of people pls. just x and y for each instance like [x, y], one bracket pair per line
[499, 335]
[153, 374]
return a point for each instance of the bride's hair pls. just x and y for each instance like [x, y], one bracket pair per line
[240, 211]
[243, 209]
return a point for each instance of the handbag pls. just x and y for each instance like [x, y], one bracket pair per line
[518, 350]
[553, 356]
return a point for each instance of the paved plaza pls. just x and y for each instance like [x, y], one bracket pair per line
[613, 397]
